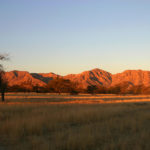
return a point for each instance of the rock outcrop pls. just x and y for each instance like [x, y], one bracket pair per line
[96, 77]
[93, 77]
[45, 77]
[136, 77]
[22, 78]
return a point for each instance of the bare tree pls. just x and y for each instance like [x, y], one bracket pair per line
[3, 81]
[3, 85]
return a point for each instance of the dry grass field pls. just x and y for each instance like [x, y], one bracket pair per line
[32, 123]
[53, 98]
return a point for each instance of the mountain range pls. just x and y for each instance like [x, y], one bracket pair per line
[96, 76]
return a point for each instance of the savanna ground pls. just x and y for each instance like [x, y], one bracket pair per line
[83, 122]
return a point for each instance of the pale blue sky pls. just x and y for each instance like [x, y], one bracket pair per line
[70, 36]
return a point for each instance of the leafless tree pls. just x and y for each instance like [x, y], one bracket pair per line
[3, 81]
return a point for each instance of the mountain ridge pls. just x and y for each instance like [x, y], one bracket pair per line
[95, 76]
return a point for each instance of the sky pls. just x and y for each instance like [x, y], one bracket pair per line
[71, 36]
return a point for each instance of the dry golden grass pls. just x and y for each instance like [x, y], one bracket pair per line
[63, 98]
[119, 126]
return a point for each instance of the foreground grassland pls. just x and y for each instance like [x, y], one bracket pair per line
[118, 126]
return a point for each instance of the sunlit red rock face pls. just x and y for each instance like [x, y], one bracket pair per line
[93, 77]
[45, 77]
[22, 78]
[136, 77]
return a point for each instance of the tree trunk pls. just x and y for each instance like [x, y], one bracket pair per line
[3, 96]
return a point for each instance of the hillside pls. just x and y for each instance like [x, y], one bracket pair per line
[136, 77]
[93, 77]
[22, 78]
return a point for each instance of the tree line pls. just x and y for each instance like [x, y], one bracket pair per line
[60, 85]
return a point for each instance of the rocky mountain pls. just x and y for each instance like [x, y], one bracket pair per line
[45, 77]
[22, 78]
[136, 77]
[92, 77]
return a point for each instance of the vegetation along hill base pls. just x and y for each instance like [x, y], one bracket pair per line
[93, 81]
